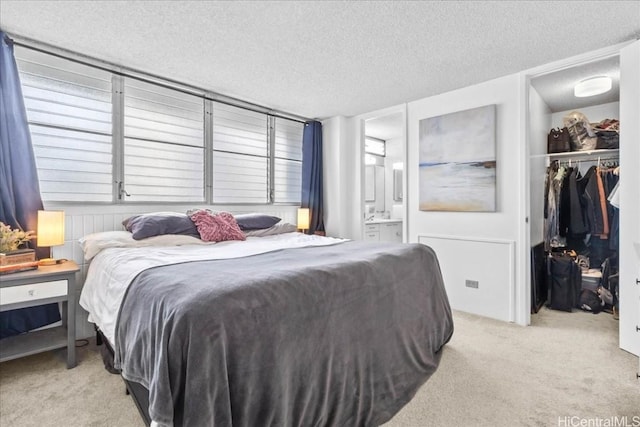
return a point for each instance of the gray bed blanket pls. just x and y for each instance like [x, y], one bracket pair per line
[340, 335]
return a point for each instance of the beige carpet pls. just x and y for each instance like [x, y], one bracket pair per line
[491, 374]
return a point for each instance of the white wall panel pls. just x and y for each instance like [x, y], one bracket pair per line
[630, 198]
[489, 263]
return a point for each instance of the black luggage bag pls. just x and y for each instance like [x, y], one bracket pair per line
[565, 282]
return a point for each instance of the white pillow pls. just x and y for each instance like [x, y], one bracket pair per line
[92, 244]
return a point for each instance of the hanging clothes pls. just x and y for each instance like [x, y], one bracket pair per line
[602, 197]
[554, 179]
[578, 226]
[578, 213]
[588, 185]
[613, 182]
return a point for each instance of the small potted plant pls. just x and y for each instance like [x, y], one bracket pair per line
[10, 242]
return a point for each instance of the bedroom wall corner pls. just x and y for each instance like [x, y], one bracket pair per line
[334, 140]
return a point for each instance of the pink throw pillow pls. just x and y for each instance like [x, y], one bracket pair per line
[216, 227]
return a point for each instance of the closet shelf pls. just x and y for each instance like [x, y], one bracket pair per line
[579, 154]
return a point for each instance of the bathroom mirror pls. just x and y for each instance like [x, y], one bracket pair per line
[370, 183]
[379, 189]
[397, 185]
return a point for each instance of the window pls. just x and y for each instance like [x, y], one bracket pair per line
[240, 155]
[69, 113]
[100, 136]
[163, 144]
[287, 170]
[374, 146]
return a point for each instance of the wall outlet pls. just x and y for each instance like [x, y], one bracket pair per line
[471, 284]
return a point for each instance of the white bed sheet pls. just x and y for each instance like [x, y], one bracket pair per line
[113, 269]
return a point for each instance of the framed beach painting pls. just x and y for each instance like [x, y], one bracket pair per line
[458, 161]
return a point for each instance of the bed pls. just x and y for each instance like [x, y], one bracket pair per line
[281, 330]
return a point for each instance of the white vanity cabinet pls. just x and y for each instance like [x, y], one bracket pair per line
[383, 230]
[372, 232]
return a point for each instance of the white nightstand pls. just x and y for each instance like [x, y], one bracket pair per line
[45, 285]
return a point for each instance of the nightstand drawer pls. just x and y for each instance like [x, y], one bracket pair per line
[33, 292]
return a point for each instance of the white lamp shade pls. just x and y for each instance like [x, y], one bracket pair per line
[592, 86]
[303, 218]
[50, 228]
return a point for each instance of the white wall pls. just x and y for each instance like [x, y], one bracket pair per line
[343, 166]
[479, 228]
[333, 141]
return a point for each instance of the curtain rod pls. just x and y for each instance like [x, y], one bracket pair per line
[150, 78]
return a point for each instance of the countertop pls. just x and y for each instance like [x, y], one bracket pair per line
[382, 220]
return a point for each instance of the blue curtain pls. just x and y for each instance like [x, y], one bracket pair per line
[312, 175]
[19, 189]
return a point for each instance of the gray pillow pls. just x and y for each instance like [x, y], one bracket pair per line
[280, 228]
[159, 223]
[256, 221]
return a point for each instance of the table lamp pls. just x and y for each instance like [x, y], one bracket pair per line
[50, 232]
[303, 219]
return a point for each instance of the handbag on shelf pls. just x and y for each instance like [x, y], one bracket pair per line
[607, 140]
[559, 141]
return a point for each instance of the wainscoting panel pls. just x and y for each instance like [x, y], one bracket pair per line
[479, 274]
[83, 220]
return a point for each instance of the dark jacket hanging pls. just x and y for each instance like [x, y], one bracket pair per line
[577, 222]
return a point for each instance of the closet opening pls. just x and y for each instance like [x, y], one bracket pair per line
[573, 181]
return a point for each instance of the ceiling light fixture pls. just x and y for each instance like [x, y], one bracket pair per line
[592, 86]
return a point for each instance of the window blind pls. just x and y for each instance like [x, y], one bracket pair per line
[69, 112]
[163, 144]
[93, 128]
[288, 161]
[240, 155]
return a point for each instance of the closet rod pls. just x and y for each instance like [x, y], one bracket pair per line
[580, 160]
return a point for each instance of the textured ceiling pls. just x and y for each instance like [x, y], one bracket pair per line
[323, 58]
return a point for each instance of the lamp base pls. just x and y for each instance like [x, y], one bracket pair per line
[47, 261]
